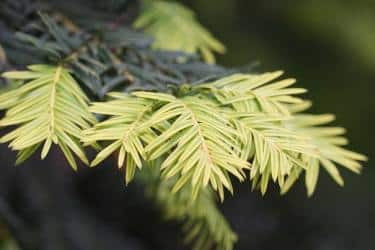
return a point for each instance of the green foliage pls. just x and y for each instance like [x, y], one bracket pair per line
[279, 143]
[203, 224]
[199, 139]
[198, 126]
[258, 108]
[125, 129]
[254, 93]
[48, 108]
[200, 143]
[112, 60]
[328, 142]
[212, 131]
[174, 27]
[206, 136]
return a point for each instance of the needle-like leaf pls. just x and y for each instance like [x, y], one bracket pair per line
[329, 142]
[201, 143]
[124, 130]
[49, 108]
[174, 27]
[255, 93]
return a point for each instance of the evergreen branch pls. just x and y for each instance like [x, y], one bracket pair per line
[203, 224]
[203, 135]
[159, 18]
[329, 142]
[202, 138]
[124, 129]
[200, 142]
[113, 60]
[48, 108]
[255, 93]
[284, 145]
[205, 139]
[258, 107]
[273, 150]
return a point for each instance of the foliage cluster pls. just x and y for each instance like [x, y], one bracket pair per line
[197, 126]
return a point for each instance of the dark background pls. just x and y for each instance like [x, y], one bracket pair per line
[329, 46]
